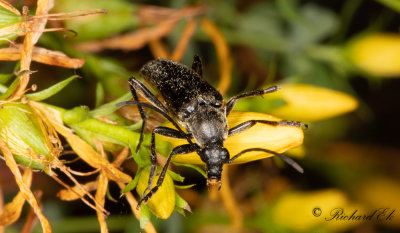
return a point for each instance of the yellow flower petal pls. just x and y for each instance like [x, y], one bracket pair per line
[162, 203]
[377, 54]
[275, 138]
[311, 103]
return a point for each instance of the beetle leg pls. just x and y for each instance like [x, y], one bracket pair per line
[232, 101]
[187, 136]
[142, 115]
[286, 159]
[182, 149]
[197, 66]
[248, 124]
[146, 93]
[165, 131]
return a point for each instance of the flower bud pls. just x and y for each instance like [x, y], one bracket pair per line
[162, 203]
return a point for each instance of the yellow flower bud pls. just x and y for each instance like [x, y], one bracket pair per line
[377, 54]
[311, 103]
[162, 203]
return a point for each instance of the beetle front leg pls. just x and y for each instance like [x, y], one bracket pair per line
[142, 115]
[165, 131]
[231, 103]
[183, 149]
[248, 124]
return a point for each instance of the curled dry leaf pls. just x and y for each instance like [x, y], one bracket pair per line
[140, 38]
[36, 30]
[76, 192]
[42, 55]
[12, 210]
[24, 189]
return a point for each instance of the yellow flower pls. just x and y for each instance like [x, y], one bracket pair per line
[302, 211]
[311, 103]
[275, 138]
[377, 54]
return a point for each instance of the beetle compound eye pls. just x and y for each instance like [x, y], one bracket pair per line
[224, 154]
[216, 104]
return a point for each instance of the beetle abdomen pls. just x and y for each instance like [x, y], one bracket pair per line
[178, 84]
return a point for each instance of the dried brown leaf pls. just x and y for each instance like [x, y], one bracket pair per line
[158, 49]
[26, 192]
[76, 192]
[35, 31]
[224, 57]
[85, 151]
[9, 7]
[31, 219]
[42, 55]
[130, 41]
[184, 40]
[12, 210]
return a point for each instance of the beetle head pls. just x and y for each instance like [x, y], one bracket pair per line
[214, 157]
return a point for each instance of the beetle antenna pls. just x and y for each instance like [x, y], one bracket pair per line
[286, 159]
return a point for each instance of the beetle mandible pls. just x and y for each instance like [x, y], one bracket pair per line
[198, 107]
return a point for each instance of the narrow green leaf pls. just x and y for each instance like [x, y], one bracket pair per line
[48, 92]
[181, 205]
[145, 216]
[195, 167]
[131, 185]
[393, 4]
[184, 186]
[5, 77]
[13, 85]
[110, 107]
[3, 89]
[176, 176]
[99, 94]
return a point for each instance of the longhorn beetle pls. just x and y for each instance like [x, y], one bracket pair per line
[198, 107]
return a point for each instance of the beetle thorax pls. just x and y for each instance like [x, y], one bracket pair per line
[208, 126]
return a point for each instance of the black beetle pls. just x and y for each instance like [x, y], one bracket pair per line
[198, 107]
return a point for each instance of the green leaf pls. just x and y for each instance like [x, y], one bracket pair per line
[13, 85]
[393, 4]
[99, 94]
[3, 89]
[195, 167]
[110, 107]
[176, 176]
[184, 186]
[48, 92]
[145, 215]
[131, 185]
[181, 205]
[5, 77]
[288, 9]
[121, 16]
[8, 18]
